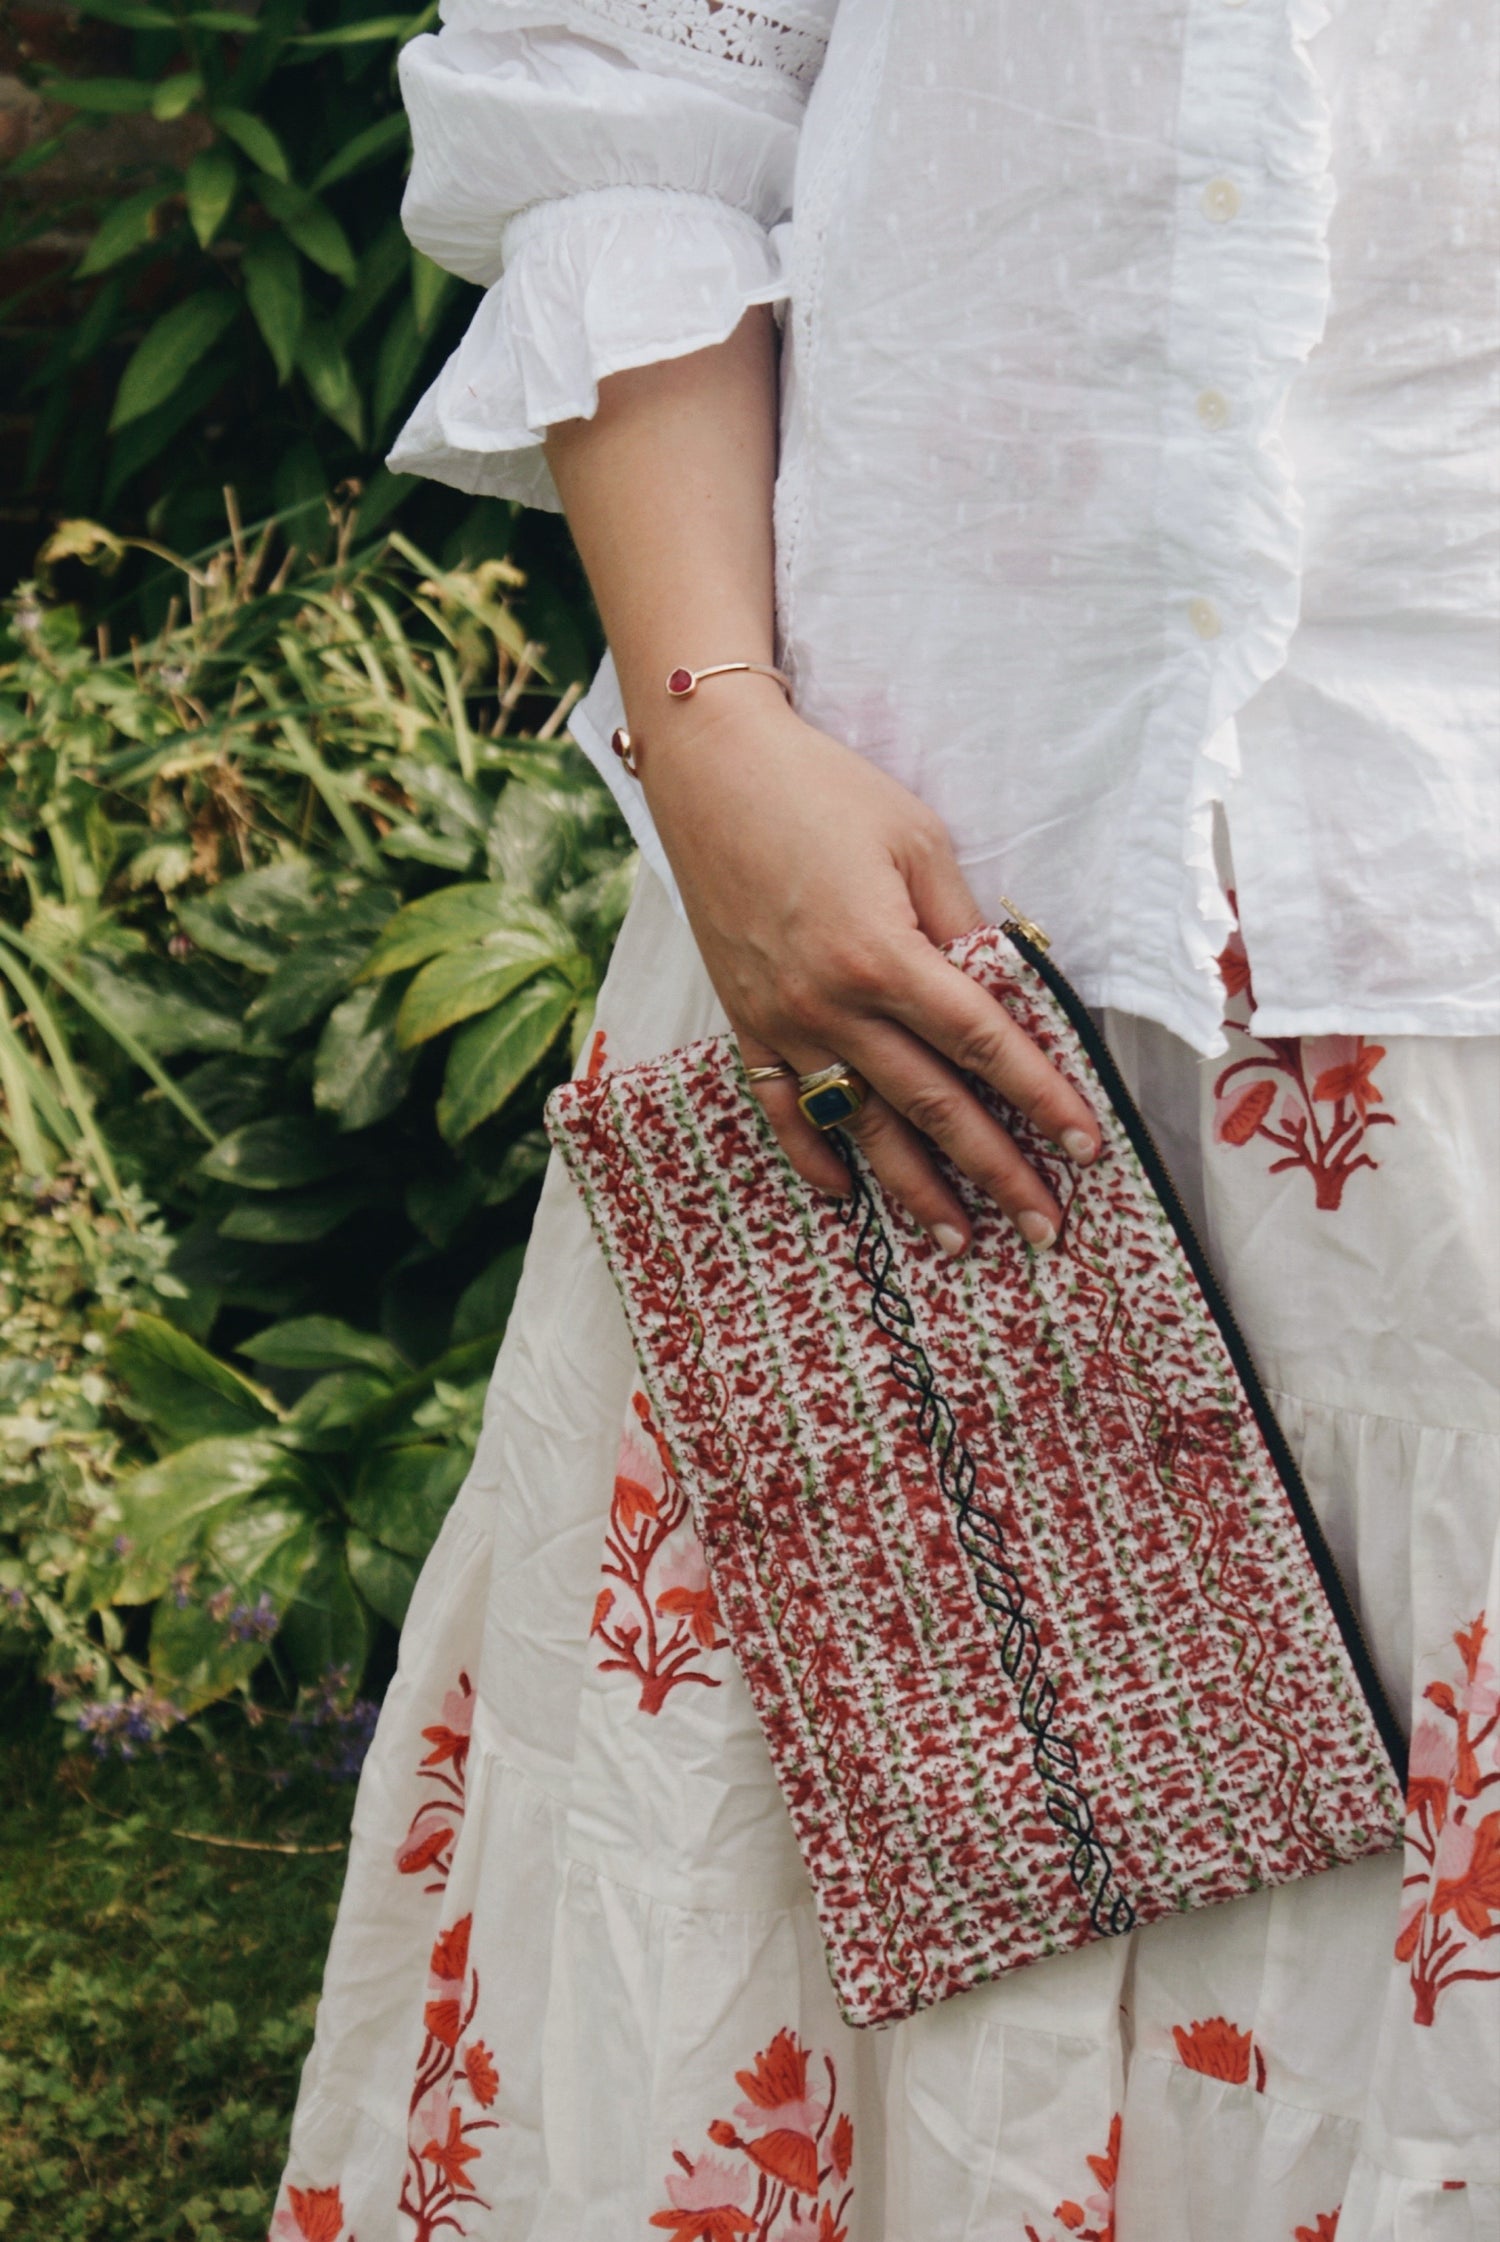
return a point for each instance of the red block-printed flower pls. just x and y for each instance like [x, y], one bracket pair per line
[1092, 2220]
[1220, 2050]
[1452, 1886]
[427, 1847]
[655, 1615]
[310, 2215]
[792, 2150]
[456, 2081]
[1308, 1099]
[1324, 2228]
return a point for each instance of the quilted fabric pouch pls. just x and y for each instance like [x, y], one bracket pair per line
[1032, 1604]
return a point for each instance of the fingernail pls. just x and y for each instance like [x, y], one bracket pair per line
[1078, 1145]
[1036, 1230]
[947, 1239]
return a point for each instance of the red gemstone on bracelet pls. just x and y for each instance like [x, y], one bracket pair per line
[680, 683]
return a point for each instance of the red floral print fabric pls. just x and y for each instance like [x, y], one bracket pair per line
[655, 1617]
[1452, 1885]
[784, 2175]
[456, 2083]
[1220, 2050]
[1311, 1099]
[427, 1848]
[1092, 2220]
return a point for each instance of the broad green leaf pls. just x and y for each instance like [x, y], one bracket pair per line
[364, 148]
[328, 374]
[304, 986]
[491, 1057]
[451, 918]
[322, 1343]
[430, 289]
[266, 1551]
[107, 97]
[382, 1578]
[273, 286]
[145, 1004]
[227, 21]
[360, 1072]
[176, 94]
[402, 1495]
[456, 986]
[255, 138]
[127, 227]
[329, 1416]
[484, 1306]
[534, 835]
[294, 1220]
[183, 1391]
[251, 918]
[165, 1509]
[279, 1154]
[327, 1629]
[208, 188]
[402, 350]
[311, 225]
[169, 349]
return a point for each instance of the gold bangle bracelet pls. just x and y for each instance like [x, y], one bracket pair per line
[682, 683]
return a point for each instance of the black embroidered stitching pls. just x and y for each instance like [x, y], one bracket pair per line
[982, 1538]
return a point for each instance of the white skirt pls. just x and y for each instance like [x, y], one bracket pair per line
[576, 1991]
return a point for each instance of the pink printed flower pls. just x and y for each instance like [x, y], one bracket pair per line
[429, 2117]
[686, 1592]
[707, 2201]
[782, 2111]
[449, 1736]
[452, 2155]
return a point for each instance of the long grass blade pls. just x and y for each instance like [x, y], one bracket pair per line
[99, 1013]
[70, 1080]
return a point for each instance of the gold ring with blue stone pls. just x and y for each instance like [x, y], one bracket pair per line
[831, 1095]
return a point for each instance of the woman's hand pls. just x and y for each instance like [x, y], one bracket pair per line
[818, 891]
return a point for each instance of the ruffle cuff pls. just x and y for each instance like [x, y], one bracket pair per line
[593, 283]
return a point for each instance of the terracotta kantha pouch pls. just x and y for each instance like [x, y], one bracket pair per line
[1032, 1604]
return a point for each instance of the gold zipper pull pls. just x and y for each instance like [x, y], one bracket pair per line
[1016, 924]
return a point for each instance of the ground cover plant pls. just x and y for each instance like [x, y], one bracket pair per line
[303, 907]
[161, 1943]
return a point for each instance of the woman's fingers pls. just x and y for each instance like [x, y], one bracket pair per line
[946, 1010]
[900, 1160]
[937, 1102]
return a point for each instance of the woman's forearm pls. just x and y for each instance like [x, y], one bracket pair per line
[668, 494]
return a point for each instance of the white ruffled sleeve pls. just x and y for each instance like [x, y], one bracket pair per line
[613, 173]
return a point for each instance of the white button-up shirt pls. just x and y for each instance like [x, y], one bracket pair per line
[1139, 461]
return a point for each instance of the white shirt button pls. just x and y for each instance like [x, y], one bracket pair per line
[1204, 617]
[1213, 408]
[1221, 201]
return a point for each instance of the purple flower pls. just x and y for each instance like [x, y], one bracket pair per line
[251, 1623]
[122, 1726]
[122, 1545]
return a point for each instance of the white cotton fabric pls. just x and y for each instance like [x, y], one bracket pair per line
[1139, 434]
[641, 1924]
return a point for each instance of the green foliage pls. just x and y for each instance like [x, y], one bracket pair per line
[243, 275]
[157, 1989]
[300, 927]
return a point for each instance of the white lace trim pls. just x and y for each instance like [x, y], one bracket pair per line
[724, 42]
[789, 42]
